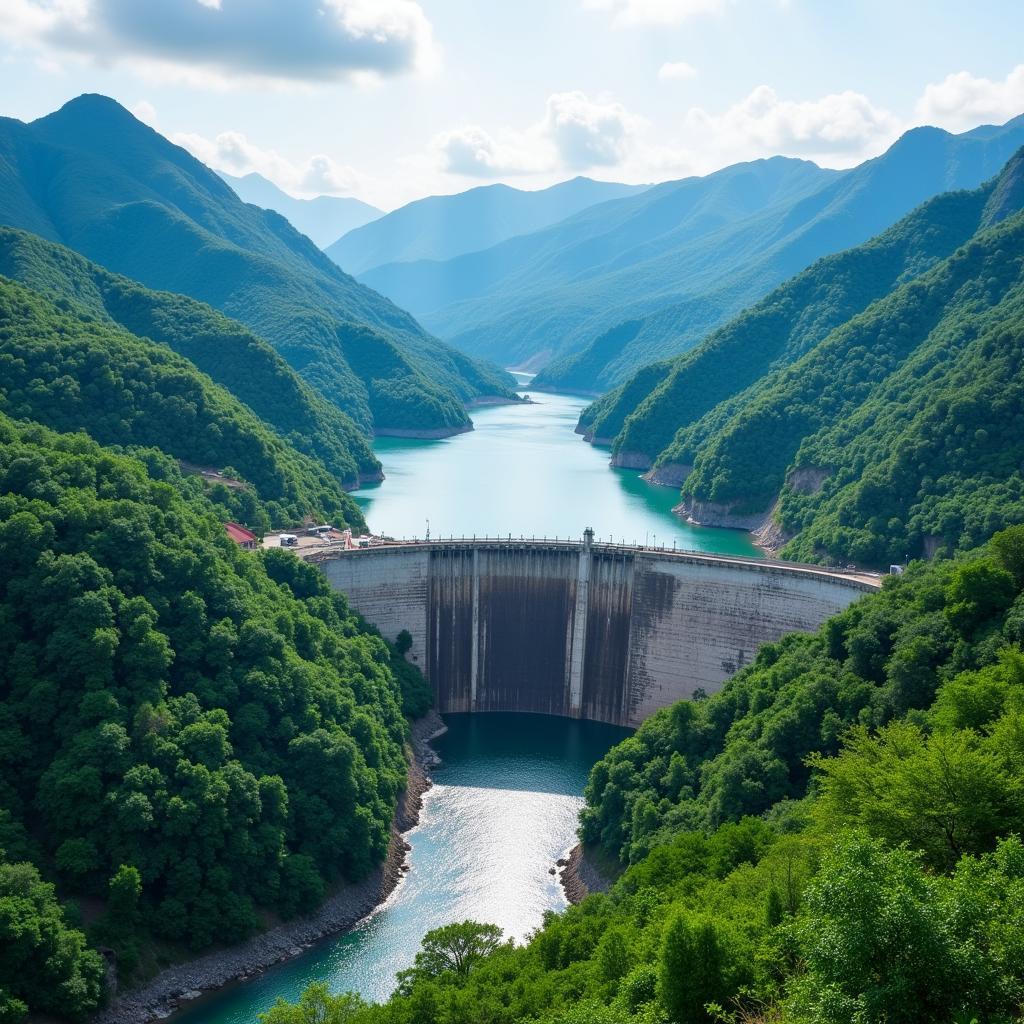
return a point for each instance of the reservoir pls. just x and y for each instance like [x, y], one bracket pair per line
[523, 471]
[504, 804]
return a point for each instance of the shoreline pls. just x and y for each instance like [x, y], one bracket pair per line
[175, 987]
[581, 875]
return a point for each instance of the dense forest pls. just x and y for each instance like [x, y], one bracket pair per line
[191, 736]
[876, 393]
[834, 837]
[72, 372]
[224, 349]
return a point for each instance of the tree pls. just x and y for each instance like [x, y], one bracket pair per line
[125, 890]
[946, 794]
[876, 943]
[45, 966]
[315, 1006]
[452, 949]
[692, 969]
[1007, 548]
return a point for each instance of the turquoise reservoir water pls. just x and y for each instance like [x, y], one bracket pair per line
[523, 471]
[502, 809]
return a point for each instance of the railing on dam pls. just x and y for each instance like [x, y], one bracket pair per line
[863, 579]
[580, 628]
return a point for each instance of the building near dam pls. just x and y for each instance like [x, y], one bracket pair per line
[580, 629]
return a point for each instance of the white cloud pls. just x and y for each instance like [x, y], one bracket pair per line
[145, 112]
[231, 151]
[474, 152]
[627, 13]
[845, 123]
[962, 101]
[587, 133]
[200, 40]
[575, 133]
[677, 69]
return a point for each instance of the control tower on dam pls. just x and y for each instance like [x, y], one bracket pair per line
[580, 629]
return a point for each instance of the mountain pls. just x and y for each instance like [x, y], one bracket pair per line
[680, 258]
[440, 227]
[856, 206]
[195, 737]
[71, 371]
[97, 180]
[868, 409]
[324, 219]
[224, 349]
[532, 297]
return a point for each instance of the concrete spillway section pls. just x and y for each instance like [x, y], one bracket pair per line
[584, 630]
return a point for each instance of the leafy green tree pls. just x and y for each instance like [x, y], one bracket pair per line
[452, 949]
[316, 1005]
[945, 794]
[45, 965]
[692, 970]
[125, 892]
[877, 942]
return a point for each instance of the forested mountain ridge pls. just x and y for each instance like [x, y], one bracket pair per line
[781, 327]
[834, 837]
[896, 435]
[73, 372]
[868, 361]
[94, 178]
[441, 227]
[681, 258]
[323, 219]
[190, 733]
[224, 349]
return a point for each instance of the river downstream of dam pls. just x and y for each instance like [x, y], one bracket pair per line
[502, 809]
[505, 801]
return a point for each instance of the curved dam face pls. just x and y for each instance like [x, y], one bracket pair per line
[585, 630]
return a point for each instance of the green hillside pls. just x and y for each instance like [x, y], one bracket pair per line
[191, 735]
[849, 391]
[787, 323]
[834, 837]
[74, 372]
[225, 350]
[94, 178]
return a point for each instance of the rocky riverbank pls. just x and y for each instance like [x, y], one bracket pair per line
[160, 997]
[582, 874]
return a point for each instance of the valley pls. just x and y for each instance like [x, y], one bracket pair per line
[511, 514]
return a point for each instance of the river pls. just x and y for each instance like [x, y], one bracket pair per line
[505, 801]
[502, 809]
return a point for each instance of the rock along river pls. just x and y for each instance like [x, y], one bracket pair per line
[504, 804]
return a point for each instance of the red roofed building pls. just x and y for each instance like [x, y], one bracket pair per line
[241, 536]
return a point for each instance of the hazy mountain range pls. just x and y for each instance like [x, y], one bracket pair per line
[324, 219]
[442, 227]
[595, 296]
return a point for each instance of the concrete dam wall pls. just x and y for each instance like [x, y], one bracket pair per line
[585, 630]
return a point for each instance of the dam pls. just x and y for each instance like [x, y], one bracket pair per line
[581, 629]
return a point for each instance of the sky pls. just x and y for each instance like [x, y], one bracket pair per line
[391, 100]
